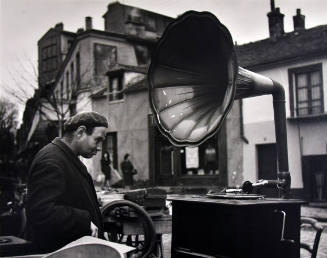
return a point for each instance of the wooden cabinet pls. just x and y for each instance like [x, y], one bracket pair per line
[203, 227]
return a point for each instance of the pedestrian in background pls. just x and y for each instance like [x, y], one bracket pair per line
[106, 169]
[128, 171]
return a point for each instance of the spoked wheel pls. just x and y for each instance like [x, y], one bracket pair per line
[128, 223]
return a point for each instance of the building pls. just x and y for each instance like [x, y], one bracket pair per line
[52, 50]
[298, 61]
[133, 130]
[105, 71]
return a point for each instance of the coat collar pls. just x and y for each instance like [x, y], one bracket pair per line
[67, 150]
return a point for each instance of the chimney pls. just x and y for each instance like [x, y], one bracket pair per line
[80, 30]
[276, 21]
[88, 23]
[299, 20]
[59, 26]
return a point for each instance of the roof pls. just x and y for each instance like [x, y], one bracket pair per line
[127, 68]
[63, 32]
[98, 33]
[99, 93]
[117, 3]
[138, 86]
[289, 47]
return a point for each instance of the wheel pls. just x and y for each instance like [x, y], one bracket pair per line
[128, 223]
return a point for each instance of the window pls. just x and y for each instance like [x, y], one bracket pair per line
[105, 56]
[201, 160]
[78, 69]
[306, 90]
[150, 24]
[67, 84]
[115, 87]
[72, 74]
[61, 89]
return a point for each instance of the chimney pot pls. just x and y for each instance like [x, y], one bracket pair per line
[80, 30]
[272, 5]
[59, 26]
[299, 20]
[276, 22]
[88, 23]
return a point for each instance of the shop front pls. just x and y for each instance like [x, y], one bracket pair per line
[202, 165]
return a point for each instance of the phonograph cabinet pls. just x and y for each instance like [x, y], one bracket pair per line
[205, 227]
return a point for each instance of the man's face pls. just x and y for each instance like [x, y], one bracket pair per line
[91, 144]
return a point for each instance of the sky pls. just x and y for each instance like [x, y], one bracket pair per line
[24, 22]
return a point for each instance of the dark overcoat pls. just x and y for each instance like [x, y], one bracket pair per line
[61, 199]
[127, 168]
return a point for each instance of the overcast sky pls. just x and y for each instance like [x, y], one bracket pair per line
[23, 22]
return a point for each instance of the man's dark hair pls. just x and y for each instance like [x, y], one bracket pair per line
[126, 156]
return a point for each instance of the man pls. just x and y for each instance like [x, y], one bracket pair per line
[128, 171]
[62, 204]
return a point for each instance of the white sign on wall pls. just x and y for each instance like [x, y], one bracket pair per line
[192, 157]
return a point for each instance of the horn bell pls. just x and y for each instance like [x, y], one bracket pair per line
[192, 78]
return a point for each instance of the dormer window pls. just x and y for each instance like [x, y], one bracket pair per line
[115, 87]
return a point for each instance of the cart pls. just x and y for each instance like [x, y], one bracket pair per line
[137, 218]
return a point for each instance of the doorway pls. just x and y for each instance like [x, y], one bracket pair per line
[314, 174]
[267, 167]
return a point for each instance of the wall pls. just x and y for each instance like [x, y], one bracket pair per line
[264, 133]
[129, 118]
[260, 108]
[234, 147]
[259, 126]
[314, 137]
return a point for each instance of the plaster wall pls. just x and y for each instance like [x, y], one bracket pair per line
[304, 138]
[264, 133]
[260, 108]
[234, 147]
[313, 138]
[129, 118]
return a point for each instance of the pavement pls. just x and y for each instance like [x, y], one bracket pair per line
[319, 212]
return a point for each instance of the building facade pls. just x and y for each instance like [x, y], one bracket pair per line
[298, 61]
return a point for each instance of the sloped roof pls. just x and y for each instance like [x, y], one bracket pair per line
[127, 68]
[54, 30]
[138, 86]
[291, 46]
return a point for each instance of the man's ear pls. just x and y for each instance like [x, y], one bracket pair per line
[80, 131]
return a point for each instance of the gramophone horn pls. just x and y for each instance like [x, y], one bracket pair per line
[194, 78]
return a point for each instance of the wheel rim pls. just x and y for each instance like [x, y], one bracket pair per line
[111, 212]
